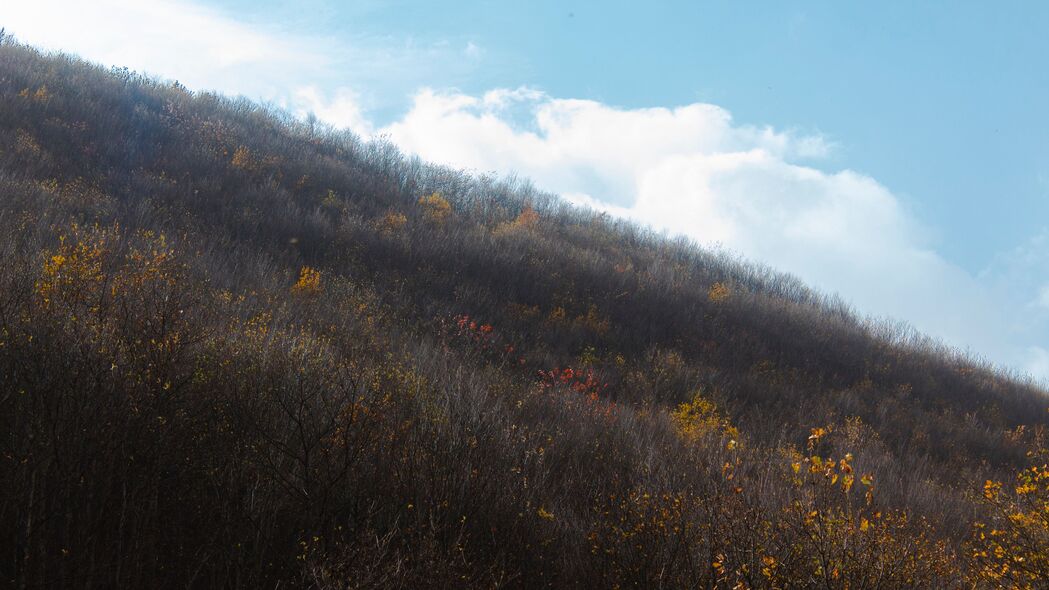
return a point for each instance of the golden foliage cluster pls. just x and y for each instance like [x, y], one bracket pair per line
[243, 159]
[392, 222]
[309, 282]
[27, 144]
[527, 220]
[72, 272]
[1011, 547]
[699, 418]
[436, 208]
[41, 94]
[718, 292]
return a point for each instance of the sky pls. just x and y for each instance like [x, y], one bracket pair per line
[893, 153]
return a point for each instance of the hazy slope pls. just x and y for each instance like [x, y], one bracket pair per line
[479, 384]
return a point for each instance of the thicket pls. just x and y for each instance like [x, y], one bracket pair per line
[237, 349]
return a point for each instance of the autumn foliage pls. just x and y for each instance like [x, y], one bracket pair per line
[238, 350]
[1010, 547]
[436, 207]
[309, 282]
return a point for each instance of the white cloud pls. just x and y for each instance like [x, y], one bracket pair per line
[208, 49]
[575, 146]
[198, 46]
[1037, 363]
[473, 50]
[343, 110]
[1043, 296]
[691, 170]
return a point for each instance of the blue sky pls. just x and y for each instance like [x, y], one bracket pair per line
[896, 153]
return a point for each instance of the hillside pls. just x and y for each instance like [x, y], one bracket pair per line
[241, 350]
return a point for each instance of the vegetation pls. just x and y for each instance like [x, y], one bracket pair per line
[238, 350]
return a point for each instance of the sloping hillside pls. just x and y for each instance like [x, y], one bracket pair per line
[240, 350]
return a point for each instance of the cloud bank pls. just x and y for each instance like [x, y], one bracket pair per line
[691, 170]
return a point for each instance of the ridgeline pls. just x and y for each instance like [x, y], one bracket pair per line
[241, 350]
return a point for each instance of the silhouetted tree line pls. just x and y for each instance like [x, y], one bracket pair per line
[238, 349]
